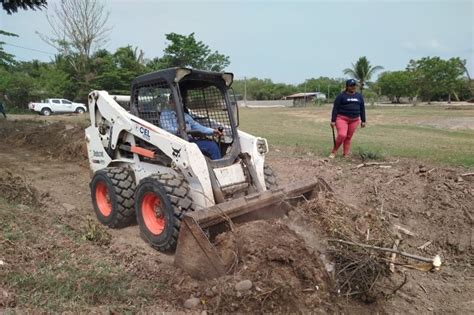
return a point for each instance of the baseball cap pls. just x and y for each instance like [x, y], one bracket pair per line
[351, 82]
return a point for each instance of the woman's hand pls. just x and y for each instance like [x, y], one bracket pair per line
[333, 124]
[362, 125]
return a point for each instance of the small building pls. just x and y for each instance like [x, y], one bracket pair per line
[302, 98]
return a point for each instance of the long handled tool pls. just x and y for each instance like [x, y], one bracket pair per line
[333, 136]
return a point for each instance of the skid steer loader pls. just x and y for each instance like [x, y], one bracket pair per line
[180, 197]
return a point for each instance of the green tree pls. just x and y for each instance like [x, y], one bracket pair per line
[396, 84]
[262, 89]
[17, 86]
[6, 59]
[12, 6]
[186, 51]
[330, 87]
[78, 28]
[362, 70]
[436, 78]
[114, 73]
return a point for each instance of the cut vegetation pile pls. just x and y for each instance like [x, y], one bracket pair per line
[17, 190]
[55, 140]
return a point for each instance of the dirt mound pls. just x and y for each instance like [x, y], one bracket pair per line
[55, 140]
[284, 275]
[429, 208]
[17, 190]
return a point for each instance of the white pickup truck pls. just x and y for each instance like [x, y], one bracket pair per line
[57, 105]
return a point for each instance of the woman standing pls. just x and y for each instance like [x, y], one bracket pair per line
[348, 111]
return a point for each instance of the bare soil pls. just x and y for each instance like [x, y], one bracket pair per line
[47, 220]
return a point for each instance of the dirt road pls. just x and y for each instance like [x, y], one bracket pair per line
[434, 204]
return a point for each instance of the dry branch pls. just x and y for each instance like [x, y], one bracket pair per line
[425, 245]
[436, 261]
[404, 230]
[379, 164]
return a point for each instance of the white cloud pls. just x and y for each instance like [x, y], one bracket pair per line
[430, 45]
[409, 45]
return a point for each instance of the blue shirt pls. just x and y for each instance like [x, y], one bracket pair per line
[169, 122]
[350, 105]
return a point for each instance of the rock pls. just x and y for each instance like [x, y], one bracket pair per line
[69, 207]
[244, 285]
[22, 207]
[209, 292]
[68, 127]
[459, 179]
[191, 303]
[422, 169]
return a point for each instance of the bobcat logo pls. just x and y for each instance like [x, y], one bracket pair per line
[176, 152]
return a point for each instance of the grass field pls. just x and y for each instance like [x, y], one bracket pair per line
[427, 133]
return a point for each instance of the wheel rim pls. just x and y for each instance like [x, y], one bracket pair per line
[153, 215]
[46, 113]
[103, 199]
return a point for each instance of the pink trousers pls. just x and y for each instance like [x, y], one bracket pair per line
[346, 127]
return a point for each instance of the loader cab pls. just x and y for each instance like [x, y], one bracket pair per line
[201, 94]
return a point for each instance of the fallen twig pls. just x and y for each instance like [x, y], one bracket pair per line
[435, 261]
[405, 280]
[404, 230]
[379, 164]
[467, 174]
[425, 245]
[392, 214]
[422, 287]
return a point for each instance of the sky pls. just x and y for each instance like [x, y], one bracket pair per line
[286, 41]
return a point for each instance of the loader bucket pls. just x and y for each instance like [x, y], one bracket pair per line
[195, 253]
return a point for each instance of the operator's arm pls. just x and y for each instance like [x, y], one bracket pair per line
[195, 126]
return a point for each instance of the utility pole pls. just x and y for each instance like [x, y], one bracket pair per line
[305, 92]
[245, 91]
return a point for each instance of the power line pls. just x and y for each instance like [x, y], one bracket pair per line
[32, 49]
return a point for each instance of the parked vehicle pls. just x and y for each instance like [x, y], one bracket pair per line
[57, 105]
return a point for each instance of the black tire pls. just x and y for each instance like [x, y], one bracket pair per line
[159, 226]
[46, 111]
[117, 210]
[271, 181]
[80, 110]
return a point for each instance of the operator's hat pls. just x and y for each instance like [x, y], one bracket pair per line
[351, 82]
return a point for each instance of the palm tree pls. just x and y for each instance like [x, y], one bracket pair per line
[12, 6]
[362, 71]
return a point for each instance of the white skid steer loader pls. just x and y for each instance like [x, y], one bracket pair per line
[151, 168]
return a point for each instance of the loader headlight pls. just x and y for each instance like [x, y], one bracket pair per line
[262, 146]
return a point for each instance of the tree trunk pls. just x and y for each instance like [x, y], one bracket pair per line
[449, 98]
[398, 99]
[456, 97]
[470, 85]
